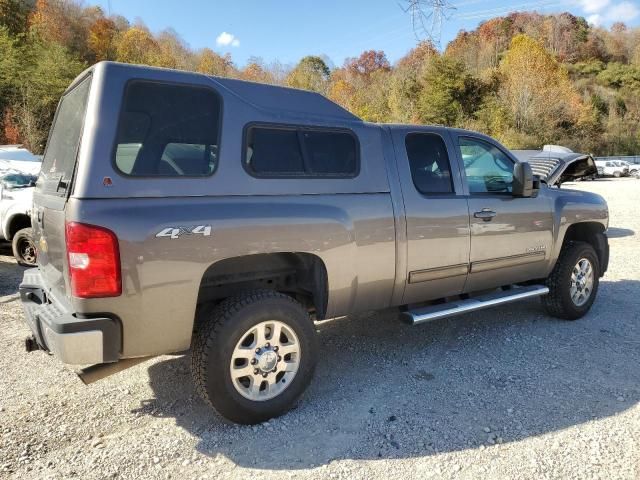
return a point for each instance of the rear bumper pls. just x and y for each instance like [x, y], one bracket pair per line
[70, 337]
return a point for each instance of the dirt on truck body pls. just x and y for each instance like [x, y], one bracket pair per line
[177, 211]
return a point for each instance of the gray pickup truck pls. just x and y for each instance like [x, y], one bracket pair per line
[177, 211]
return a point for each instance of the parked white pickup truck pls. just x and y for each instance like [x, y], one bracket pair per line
[611, 168]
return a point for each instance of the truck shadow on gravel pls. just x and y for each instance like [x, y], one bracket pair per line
[386, 390]
[615, 232]
[10, 272]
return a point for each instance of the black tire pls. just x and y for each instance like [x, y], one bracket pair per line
[24, 249]
[219, 333]
[558, 302]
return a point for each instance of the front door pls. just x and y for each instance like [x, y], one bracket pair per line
[436, 214]
[511, 238]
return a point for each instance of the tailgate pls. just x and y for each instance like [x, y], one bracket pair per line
[54, 185]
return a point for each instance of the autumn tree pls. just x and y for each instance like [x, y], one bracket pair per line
[101, 40]
[50, 71]
[48, 21]
[405, 86]
[137, 45]
[311, 73]
[526, 78]
[367, 63]
[210, 63]
[173, 52]
[9, 64]
[449, 94]
[255, 71]
[14, 15]
[9, 61]
[361, 86]
[536, 89]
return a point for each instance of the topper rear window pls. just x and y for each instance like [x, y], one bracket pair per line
[168, 130]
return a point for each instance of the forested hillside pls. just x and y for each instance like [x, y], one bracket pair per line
[527, 79]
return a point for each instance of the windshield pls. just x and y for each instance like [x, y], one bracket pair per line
[18, 180]
[60, 155]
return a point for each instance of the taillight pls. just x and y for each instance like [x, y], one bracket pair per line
[94, 261]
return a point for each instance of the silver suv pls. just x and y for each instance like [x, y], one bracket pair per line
[177, 211]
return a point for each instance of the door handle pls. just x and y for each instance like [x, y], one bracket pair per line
[485, 214]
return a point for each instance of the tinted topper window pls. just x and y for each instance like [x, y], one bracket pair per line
[168, 130]
[301, 152]
[62, 148]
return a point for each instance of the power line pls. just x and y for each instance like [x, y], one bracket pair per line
[492, 12]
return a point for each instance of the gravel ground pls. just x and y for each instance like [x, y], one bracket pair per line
[503, 393]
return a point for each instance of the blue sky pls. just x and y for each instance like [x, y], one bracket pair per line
[287, 30]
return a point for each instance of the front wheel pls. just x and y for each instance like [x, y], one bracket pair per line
[254, 355]
[573, 283]
[24, 249]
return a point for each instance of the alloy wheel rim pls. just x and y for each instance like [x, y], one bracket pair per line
[27, 251]
[265, 360]
[581, 282]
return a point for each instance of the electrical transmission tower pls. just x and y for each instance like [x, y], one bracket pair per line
[427, 17]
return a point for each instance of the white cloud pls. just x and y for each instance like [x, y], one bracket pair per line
[227, 39]
[622, 12]
[595, 19]
[606, 12]
[594, 6]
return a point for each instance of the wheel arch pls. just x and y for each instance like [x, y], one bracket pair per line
[15, 223]
[594, 234]
[301, 275]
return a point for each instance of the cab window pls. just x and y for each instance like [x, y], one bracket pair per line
[487, 168]
[429, 163]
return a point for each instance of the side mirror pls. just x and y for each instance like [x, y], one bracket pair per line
[522, 185]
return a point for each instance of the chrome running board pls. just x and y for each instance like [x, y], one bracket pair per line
[443, 310]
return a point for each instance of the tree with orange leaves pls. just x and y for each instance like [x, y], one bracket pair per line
[50, 23]
[101, 39]
[367, 63]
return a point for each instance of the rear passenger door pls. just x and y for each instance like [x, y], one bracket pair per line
[436, 211]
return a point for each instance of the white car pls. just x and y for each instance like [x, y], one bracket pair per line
[611, 168]
[634, 168]
[16, 200]
[18, 173]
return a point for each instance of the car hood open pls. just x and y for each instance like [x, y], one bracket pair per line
[555, 168]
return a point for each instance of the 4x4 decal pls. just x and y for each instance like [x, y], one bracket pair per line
[177, 232]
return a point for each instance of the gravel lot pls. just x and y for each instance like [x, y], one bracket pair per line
[503, 393]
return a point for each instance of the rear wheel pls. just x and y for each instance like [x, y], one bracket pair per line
[573, 283]
[254, 355]
[24, 249]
